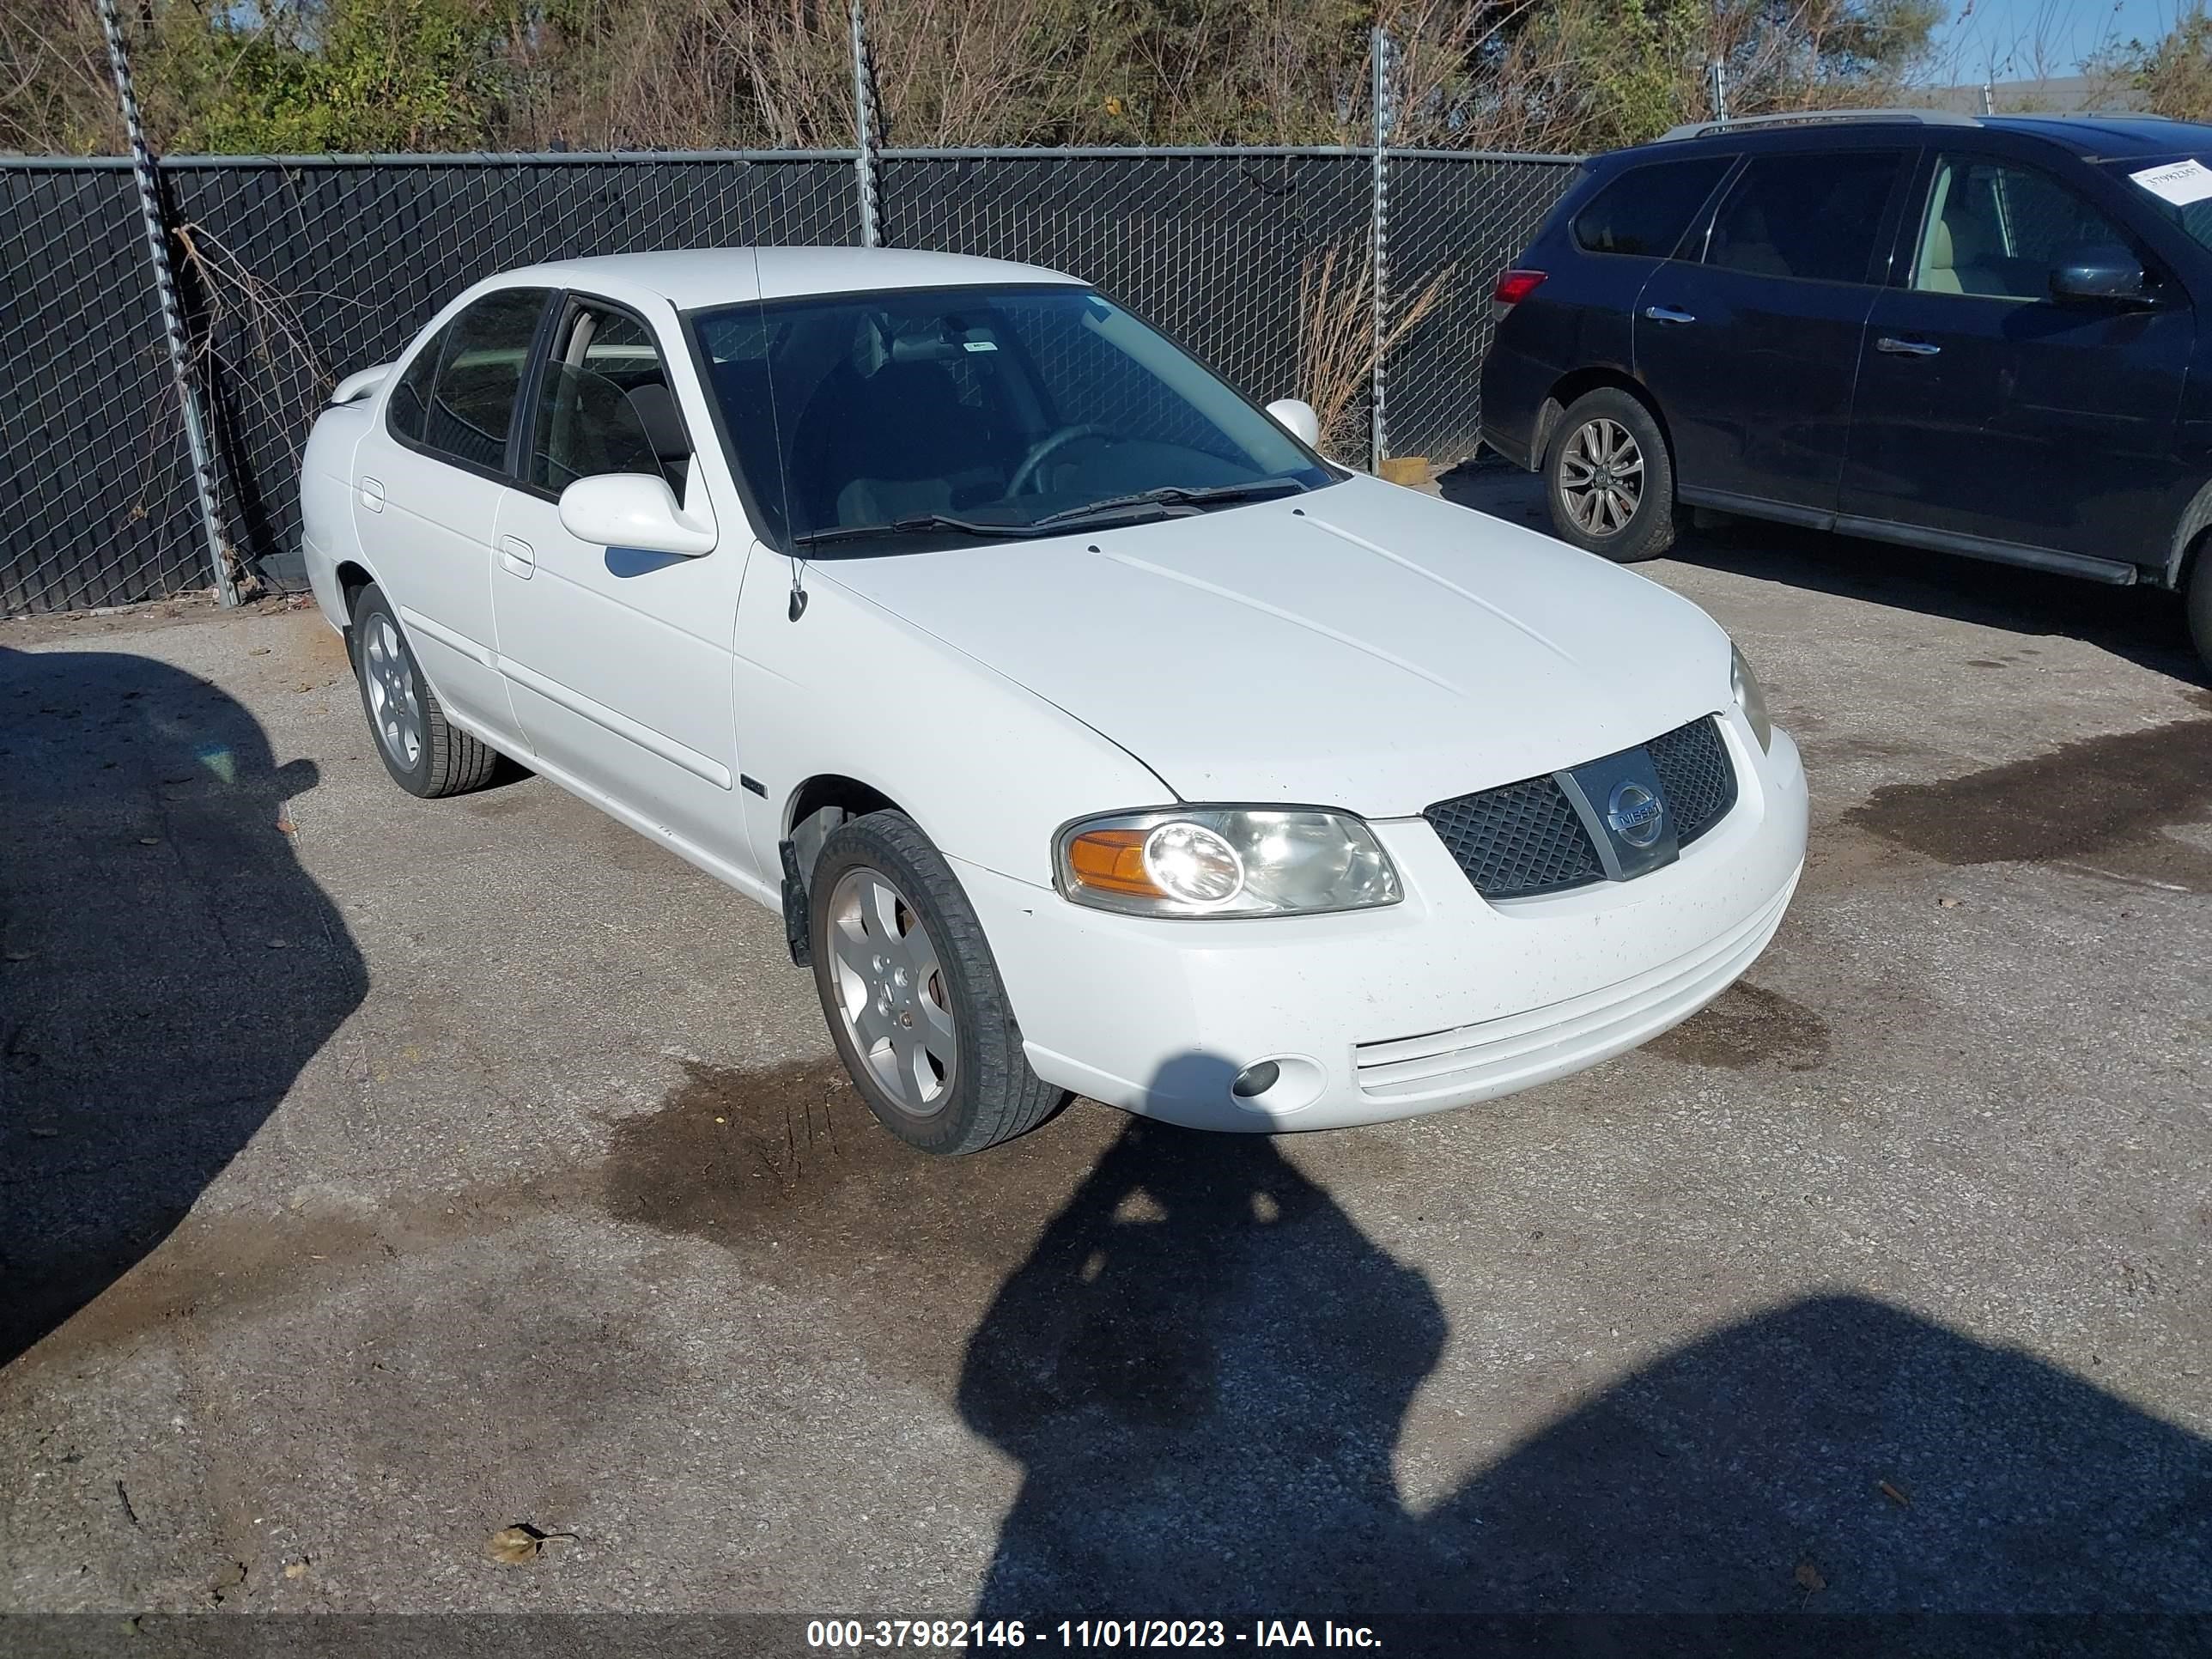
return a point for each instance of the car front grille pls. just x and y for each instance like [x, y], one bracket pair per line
[1520, 839]
[1694, 776]
[1523, 838]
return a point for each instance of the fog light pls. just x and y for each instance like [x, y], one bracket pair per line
[1255, 1080]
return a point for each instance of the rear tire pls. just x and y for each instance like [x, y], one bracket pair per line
[1608, 480]
[2199, 603]
[426, 754]
[911, 994]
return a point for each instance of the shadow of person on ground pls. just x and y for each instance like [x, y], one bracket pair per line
[2145, 625]
[1201, 1368]
[166, 966]
[1204, 1365]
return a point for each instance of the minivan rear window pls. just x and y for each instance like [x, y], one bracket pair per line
[1647, 208]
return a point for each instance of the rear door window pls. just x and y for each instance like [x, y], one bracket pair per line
[1647, 210]
[479, 374]
[1815, 216]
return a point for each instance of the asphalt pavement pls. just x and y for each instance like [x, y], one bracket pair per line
[378, 1173]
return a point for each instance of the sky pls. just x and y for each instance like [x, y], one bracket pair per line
[2068, 29]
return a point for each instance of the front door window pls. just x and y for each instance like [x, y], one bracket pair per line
[1997, 231]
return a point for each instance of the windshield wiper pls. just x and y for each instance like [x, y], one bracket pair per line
[1175, 496]
[1160, 501]
[911, 526]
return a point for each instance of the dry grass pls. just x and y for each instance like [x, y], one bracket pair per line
[1337, 348]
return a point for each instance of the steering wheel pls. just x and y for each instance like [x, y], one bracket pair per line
[1044, 449]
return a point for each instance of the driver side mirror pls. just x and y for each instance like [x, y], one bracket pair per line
[634, 509]
[1297, 418]
[2101, 274]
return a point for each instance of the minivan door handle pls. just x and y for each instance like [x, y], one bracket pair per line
[372, 495]
[517, 555]
[1668, 315]
[1898, 348]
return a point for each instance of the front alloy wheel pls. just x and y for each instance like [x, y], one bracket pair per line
[890, 993]
[912, 997]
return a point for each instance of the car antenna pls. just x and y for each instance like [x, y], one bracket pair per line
[797, 606]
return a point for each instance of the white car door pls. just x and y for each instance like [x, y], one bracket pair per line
[619, 662]
[428, 483]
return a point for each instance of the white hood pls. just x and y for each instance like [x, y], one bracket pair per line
[1362, 647]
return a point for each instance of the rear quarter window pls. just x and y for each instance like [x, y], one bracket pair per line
[1646, 210]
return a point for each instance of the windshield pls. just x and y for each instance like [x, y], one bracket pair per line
[2179, 189]
[877, 422]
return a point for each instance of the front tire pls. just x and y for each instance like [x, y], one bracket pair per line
[1608, 479]
[426, 754]
[911, 994]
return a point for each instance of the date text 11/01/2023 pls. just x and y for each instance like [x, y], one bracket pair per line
[1085, 1633]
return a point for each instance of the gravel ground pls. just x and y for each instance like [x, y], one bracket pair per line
[375, 1174]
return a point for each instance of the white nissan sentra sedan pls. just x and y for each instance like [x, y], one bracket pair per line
[1090, 731]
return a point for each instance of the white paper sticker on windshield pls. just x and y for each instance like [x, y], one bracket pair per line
[993, 345]
[2178, 182]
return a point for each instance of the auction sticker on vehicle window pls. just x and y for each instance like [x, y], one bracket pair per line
[2178, 182]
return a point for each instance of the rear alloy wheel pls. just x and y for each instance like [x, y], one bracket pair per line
[426, 754]
[911, 992]
[1609, 482]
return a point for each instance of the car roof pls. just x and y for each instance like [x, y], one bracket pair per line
[691, 278]
[2112, 135]
[2106, 136]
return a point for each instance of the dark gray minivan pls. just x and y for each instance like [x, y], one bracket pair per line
[1981, 335]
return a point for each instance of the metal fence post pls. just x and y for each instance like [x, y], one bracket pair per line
[867, 135]
[172, 323]
[1379, 247]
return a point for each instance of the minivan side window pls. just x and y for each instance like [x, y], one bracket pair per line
[479, 373]
[1997, 230]
[1813, 216]
[1647, 208]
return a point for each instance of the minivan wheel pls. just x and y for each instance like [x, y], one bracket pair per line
[912, 995]
[1608, 480]
[426, 754]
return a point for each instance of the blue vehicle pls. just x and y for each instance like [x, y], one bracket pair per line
[1986, 335]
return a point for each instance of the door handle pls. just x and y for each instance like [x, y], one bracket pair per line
[1668, 315]
[1898, 348]
[516, 555]
[372, 495]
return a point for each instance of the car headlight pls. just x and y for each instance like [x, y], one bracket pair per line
[1225, 861]
[1751, 698]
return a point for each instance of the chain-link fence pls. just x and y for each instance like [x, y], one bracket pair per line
[1455, 222]
[96, 497]
[296, 271]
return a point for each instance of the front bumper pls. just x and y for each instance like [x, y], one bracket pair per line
[1438, 1001]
